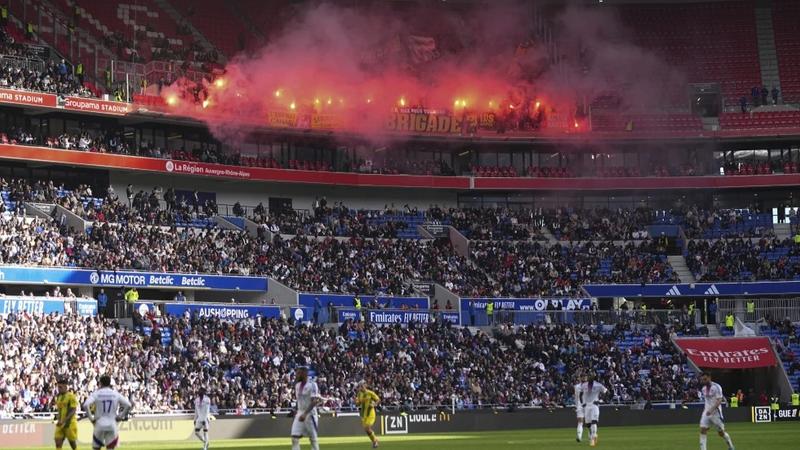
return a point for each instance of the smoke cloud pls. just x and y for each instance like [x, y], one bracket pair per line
[356, 66]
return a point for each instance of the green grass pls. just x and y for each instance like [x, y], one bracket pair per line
[745, 436]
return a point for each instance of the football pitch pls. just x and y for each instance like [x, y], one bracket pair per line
[745, 436]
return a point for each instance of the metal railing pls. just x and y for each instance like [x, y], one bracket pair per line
[765, 309]
[577, 317]
[19, 62]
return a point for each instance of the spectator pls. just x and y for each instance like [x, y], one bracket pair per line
[102, 302]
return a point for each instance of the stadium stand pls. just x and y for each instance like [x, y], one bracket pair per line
[206, 15]
[247, 362]
[785, 335]
[785, 14]
[743, 260]
[510, 248]
[722, 50]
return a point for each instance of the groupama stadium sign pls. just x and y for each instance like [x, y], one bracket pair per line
[80, 104]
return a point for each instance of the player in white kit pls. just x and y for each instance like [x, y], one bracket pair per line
[306, 419]
[202, 413]
[104, 408]
[579, 408]
[592, 392]
[712, 414]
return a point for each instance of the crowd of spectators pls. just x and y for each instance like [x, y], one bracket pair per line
[743, 259]
[336, 220]
[366, 265]
[697, 222]
[532, 269]
[338, 250]
[56, 78]
[248, 364]
[487, 224]
[599, 224]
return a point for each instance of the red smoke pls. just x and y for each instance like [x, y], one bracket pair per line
[357, 66]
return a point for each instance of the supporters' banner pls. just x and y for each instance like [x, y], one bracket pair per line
[96, 106]
[728, 353]
[28, 98]
[326, 122]
[35, 275]
[347, 300]
[45, 305]
[424, 123]
[223, 311]
[38, 51]
[421, 48]
[280, 119]
[694, 290]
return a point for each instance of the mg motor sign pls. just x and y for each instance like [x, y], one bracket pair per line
[729, 353]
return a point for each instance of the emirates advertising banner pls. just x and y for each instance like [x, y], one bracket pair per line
[729, 353]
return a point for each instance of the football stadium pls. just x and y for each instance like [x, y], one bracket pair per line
[399, 224]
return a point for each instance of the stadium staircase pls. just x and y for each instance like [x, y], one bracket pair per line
[713, 331]
[229, 223]
[173, 13]
[551, 239]
[783, 230]
[767, 53]
[236, 9]
[775, 335]
[678, 263]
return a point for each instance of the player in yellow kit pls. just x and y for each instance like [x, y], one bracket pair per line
[366, 400]
[67, 407]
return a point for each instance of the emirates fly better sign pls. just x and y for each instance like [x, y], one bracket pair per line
[729, 353]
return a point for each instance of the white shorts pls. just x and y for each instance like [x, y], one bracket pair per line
[105, 436]
[591, 413]
[579, 412]
[201, 424]
[307, 428]
[714, 420]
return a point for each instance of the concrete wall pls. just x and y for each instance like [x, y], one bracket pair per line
[251, 193]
